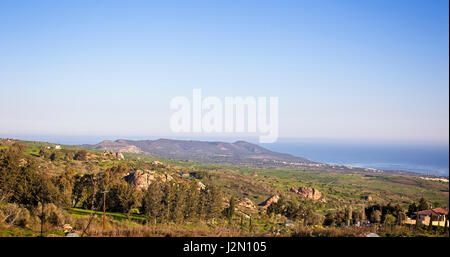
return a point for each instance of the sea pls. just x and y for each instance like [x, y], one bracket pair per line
[429, 159]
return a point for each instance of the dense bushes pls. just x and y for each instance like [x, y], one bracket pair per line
[388, 214]
[296, 211]
[13, 214]
[10, 213]
[80, 155]
[375, 214]
[27, 194]
[56, 216]
[21, 183]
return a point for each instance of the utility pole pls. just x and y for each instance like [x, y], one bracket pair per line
[42, 219]
[104, 207]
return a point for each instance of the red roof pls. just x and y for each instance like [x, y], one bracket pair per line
[434, 212]
[441, 211]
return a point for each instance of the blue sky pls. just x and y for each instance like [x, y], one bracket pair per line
[369, 70]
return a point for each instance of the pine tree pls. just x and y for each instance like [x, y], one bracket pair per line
[423, 204]
[229, 212]
[446, 223]
[417, 220]
[430, 224]
[348, 216]
[179, 205]
[211, 202]
[152, 203]
[192, 202]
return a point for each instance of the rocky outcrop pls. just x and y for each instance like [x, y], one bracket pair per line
[116, 146]
[167, 177]
[23, 162]
[120, 156]
[113, 155]
[6, 142]
[307, 192]
[141, 179]
[107, 153]
[200, 186]
[157, 163]
[269, 201]
[247, 204]
[68, 228]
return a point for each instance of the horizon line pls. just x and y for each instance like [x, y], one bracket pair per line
[99, 138]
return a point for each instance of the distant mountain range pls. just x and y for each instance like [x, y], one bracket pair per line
[239, 152]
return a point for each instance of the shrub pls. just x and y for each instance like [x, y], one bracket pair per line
[56, 216]
[80, 155]
[9, 213]
[25, 219]
[81, 223]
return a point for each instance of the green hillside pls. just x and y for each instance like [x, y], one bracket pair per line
[149, 196]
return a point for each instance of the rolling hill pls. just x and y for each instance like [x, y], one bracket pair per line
[239, 152]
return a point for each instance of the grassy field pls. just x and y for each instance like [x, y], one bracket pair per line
[77, 212]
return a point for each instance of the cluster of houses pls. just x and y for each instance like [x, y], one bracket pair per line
[438, 217]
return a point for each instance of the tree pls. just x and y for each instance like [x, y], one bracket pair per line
[45, 192]
[423, 205]
[229, 212]
[152, 201]
[376, 217]
[65, 183]
[55, 155]
[168, 200]
[277, 207]
[82, 190]
[340, 217]
[401, 217]
[178, 206]
[127, 196]
[363, 215]
[348, 216]
[44, 153]
[329, 220]
[68, 154]
[389, 219]
[446, 223]
[192, 202]
[357, 216]
[412, 210]
[118, 170]
[80, 155]
[417, 221]
[10, 167]
[121, 196]
[210, 202]
[313, 218]
[430, 224]
[31, 187]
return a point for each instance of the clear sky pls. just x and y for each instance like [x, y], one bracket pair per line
[375, 70]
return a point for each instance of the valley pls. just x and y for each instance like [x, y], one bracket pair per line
[155, 196]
